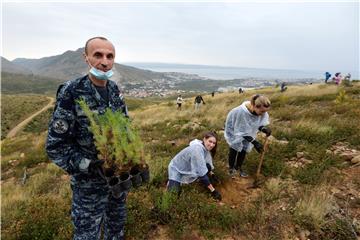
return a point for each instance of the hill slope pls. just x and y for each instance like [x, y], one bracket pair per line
[7, 66]
[310, 189]
[71, 65]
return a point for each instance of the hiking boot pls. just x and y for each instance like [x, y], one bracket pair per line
[243, 174]
[232, 172]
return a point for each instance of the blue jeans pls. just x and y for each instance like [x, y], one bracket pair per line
[173, 186]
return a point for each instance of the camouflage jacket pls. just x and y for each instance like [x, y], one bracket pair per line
[69, 143]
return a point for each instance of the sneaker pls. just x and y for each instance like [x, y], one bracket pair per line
[243, 174]
[232, 172]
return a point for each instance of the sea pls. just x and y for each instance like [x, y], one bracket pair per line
[227, 73]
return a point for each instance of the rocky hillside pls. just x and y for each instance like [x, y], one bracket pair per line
[309, 187]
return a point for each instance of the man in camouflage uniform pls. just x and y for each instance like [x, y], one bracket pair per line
[70, 145]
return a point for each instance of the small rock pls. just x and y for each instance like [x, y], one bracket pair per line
[329, 152]
[302, 235]
[343, 188]
[345, 164]
[335, 190]
[356, 159]
[300, 154]
[340, 196]
[346, 156]
[282, 142]
[22, 155]
[337, 151]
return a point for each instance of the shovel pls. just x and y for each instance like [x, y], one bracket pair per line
[258, 181]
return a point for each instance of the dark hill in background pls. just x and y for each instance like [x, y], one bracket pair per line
[7, 66]
[71, 65]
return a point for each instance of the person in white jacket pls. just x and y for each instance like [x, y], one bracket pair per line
[241, 126]
[195, 162]
[179, 102]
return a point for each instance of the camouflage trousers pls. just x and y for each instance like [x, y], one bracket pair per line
[93, 208]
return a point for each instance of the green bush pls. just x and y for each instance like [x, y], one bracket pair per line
[39, 123]
[41, 218]
[313, 173]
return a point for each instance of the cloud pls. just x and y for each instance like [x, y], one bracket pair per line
[321, 35]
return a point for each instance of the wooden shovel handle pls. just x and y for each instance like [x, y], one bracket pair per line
[262, 156]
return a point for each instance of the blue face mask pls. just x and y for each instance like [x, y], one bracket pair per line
[98, 74]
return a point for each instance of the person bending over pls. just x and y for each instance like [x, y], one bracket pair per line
[195, 163]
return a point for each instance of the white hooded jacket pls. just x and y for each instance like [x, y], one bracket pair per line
[240, 122]
[190, 163]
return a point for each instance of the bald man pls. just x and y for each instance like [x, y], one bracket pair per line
[70, 145]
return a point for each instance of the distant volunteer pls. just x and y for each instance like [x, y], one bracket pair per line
[195, 163]
[241, 126]
[179, 102]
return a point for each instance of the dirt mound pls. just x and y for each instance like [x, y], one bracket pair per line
[237, 191]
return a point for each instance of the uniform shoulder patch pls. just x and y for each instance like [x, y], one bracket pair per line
[60, 126]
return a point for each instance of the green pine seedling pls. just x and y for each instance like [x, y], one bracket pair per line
[116, 140]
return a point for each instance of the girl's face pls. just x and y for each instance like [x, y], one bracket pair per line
[260, 110]
[209, 143]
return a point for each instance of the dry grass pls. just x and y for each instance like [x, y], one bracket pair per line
[314, 126]
[160, 125]
[216, 108]
[214, 111]
[310, 90]
[315, 205]
[274, 186]
[16, 108]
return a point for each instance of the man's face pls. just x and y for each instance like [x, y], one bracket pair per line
[100, 54]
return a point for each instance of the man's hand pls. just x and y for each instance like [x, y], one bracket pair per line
[216, 195]
[265, 130]
[258, 146]
[95, 166]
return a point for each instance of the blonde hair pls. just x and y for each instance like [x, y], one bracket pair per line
[260, 100]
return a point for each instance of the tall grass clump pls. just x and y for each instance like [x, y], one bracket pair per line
[341, 97]
[311, 210]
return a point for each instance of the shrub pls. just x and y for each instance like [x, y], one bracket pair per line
[341, 97]
[39, 123]
[42, 218]
[312, 208]
[313, 173]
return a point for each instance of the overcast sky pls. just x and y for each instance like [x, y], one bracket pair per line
[305, 36]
